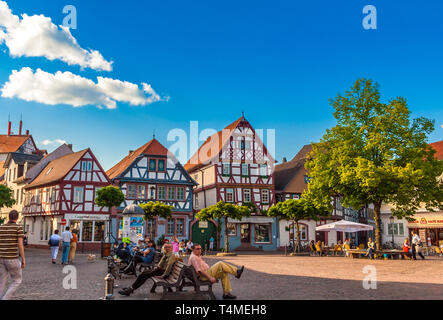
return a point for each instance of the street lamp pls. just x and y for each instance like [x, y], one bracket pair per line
[391, 219]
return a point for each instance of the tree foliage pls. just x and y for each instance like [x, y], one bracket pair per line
[6, 199]
[109, 196]
[224, 210]
[296, 210]
[376, 154]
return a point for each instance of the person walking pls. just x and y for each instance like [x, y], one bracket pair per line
[73, 246]
[416, 241]
[11, 247]
[54, 244]
[211, 243]
[66, 238]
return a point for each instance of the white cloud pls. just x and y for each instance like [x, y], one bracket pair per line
[68, 88]
[53, 142]
[37, 36]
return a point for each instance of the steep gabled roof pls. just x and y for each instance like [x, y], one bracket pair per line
[11, 143]
[22, 158]
[200, 159]
[33, 172]
[438, 146]
[284, 173]
[152, 147]
[57, 169]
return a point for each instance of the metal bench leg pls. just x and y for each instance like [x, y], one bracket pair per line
[211, 294]
[165, 290]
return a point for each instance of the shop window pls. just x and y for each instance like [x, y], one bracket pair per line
[229, 195]
[87, 231]
[99, 230]
[262, 233]
[232, 229]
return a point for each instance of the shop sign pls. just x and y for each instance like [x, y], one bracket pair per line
[203, 224]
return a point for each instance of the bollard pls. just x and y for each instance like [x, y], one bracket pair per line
[109, 287]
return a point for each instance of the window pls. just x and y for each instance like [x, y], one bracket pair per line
[152, 192]
[78, 194]
[86, 165]
[131, 192]
[180, 193]
[52, 194]
[47, 194]
[263, 170]
[180, 226]
[232, 229]
[171, 193]
[245, 169]
[265, 196]
[87, 231]
[161, 165]
[262, 233]
[161, 193]
[99, 230]
[229, 195]
[170, 228]
[226, 169]
[141, 192]
[246, 195]
[152, 165]
[242, 144]
[398, 228]
[196, 200]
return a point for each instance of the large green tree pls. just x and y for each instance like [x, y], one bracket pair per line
[376, 154]
[109, 197]
[156, 209]
[296, 210]
[224, 210]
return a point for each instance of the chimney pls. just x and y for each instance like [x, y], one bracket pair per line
[131, 151]
[284, 160]
[20, 128]
[70, 146]
[27, 132]
[9, 128]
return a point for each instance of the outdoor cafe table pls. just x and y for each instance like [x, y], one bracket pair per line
[356, 253]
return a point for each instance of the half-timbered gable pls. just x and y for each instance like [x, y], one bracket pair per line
[234, 166]
[152, 173]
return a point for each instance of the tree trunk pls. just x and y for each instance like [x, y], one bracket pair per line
[298, 236]
[152, 229]
[377, 206]
[293, 236]
[226, 235]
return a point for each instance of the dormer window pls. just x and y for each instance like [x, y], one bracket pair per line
[49, 171]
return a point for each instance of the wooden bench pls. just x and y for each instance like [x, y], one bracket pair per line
[149, 266]
[356, 253]
[181, 276]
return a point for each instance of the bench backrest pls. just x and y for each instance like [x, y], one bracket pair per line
[158, 256]
[177, 271]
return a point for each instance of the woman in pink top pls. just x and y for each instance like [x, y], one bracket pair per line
[176, 247]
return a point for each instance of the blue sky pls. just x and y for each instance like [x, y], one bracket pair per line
[278, 61]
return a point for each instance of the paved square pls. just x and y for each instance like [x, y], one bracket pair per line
[267, 276]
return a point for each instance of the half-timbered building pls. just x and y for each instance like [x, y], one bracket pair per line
[234, 166]
[63, 193]
[152, 173]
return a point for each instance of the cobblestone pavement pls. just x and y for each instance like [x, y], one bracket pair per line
[266, 276]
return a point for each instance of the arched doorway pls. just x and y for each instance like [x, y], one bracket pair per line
[202, 231]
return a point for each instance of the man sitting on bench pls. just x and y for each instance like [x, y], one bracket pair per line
[220, 270]
[163, 269]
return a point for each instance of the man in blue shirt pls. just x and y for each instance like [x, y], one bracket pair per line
[146, 255]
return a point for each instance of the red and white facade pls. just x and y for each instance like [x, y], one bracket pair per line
[65, 189]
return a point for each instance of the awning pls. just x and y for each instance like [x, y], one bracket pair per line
[433, 220]
[252, 220]
[344, 226]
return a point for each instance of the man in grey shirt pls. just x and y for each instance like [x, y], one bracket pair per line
[66, 238]
[416, 246]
